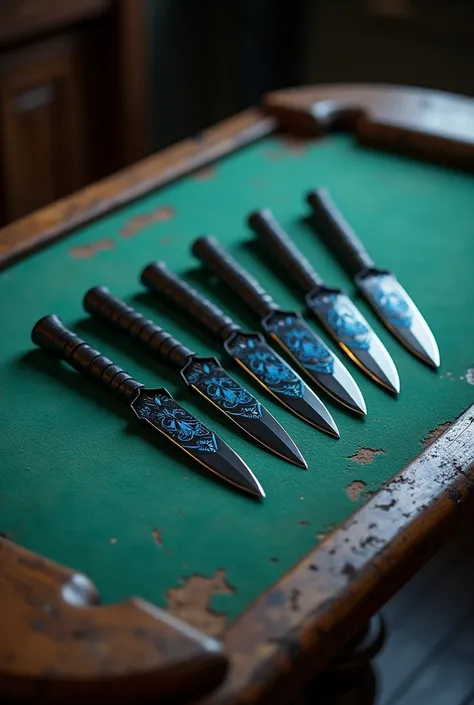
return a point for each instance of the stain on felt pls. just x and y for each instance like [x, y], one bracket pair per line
[84, 251]
[191, 602]
[138, 222]
[157, 537]
[365, 456]
[354, 490]
[435, 433]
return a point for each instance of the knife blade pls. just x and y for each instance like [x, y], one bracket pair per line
[287, 328]
[380, 287]
[332, 307]
[155, 407]
[249, 350]
[204, 375]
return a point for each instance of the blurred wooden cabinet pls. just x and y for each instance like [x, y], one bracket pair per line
[73, 96]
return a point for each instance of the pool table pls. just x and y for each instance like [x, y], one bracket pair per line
[266, 595]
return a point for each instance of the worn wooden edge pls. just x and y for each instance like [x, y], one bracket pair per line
[427, 124]
[59, 644]
[304, 619]
[35, 231]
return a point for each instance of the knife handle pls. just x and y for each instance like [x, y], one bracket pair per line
[161, 280]
[337, 233]
[50, 334]
[109, 308]
[210, 252]
[272, 234]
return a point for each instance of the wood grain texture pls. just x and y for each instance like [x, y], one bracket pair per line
[42, 122]
[304, 620]
[427, 124]
[57, 645]
[134, 60]
[44, 226]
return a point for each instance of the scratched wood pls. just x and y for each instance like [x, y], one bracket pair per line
[57, 643]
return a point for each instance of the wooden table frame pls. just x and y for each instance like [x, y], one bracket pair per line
[296, 627]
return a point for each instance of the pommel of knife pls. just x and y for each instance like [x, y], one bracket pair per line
[58, 644]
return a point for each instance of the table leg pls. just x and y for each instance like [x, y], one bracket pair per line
[350, 679]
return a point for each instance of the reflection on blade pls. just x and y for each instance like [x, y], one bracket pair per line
[307, 349]
[208, 377]
[391, 302]
[251, 351]
[355, 336]
[158, 408]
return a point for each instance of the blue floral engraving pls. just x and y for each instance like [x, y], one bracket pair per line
[254, 353]
[389, 299]
[346, 323]
[167, 415]
[306, 347]
[214, 382]
[341, 317]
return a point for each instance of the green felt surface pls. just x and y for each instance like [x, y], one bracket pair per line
[82, 483]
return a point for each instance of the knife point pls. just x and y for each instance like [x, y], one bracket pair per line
[299, 460]
[282, 444]
[249, 482]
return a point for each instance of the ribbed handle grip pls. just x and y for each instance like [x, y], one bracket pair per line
[337, 233]
[270, 232]
[209, 251]
[109, 308]
[51, 335]
[159, 279]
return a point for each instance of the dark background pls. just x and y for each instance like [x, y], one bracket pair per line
[211, 59]
[91, 86]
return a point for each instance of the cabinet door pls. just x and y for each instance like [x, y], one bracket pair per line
[42, 142]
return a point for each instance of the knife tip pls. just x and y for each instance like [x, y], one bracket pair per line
[293, 455]
[301, 462]
[254, 487]
[433, 359]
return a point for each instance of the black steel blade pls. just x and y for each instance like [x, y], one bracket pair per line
[349, 328]
[252, 352]
[306, 348]
[396, 309]
[208, 377]
[157, 408]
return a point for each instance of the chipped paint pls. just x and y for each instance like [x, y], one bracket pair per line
[85, 251]
[192, 601]
[138, 222]
[470, 375]
[364, 456]
[435, 433]
[295, 595]
[354, 490]
[207, 173]
[326, 531]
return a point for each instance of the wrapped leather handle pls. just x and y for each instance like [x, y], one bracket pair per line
[209, 251]
[159, 279]
[109, 308]
[272, 234]
[50, 334]
[337, 233]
